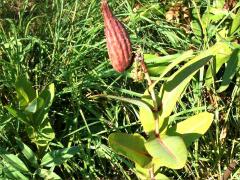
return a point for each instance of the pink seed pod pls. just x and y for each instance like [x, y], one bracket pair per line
[118, 42]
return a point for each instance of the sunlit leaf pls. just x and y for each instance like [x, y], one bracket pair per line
[192, 128]
[154, 59]
[169, 151]
[219, 3]
[147, 116]
[32, 106]
[11, 173]
[130, 146]
[182, 57]
[221, 56]
[217, 14]
[42, 134]
[14, 161]
[235, 23]
[143, 173]
[48, 174]
[160, 176]
[175, 85]
[156, 69]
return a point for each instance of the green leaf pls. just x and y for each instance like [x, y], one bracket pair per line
[146, 115]
[11, 173]
[41, 105]
[48, 174]
[235, 23]
[156, 69]
[217, 14]
[154, 59]
[196, 28]
[57, 157]
[14, 161]
[18, 114]
[28, 153]
[32, 106]
[130, 146]
[230, 70]
[160, 176]
[219, 4]
[175, 85]
[182, 57]
[222, 56]
[169, 151]
[25, 91]
[42, 134]
[143, 173]
[192, 128]
[47, 97]
[156, 64]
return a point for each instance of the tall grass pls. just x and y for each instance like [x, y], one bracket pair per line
[63, 42]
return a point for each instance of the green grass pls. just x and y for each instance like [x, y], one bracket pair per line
[63, 42]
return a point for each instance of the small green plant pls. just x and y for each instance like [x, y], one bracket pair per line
[165, 144]
[33, 111]
[33, 117]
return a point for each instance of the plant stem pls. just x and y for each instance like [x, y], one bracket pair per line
[153, 96]
[151, 173]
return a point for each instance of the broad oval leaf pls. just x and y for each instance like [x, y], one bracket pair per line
[196, 28]
[25, 91]
[32, 106]
[161, 65]
[192, 128]
[169, 151]
[57, 157]
[130, 146]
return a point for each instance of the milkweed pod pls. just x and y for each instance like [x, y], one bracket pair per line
[118, 42]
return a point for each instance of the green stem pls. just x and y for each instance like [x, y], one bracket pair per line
[153, 96]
